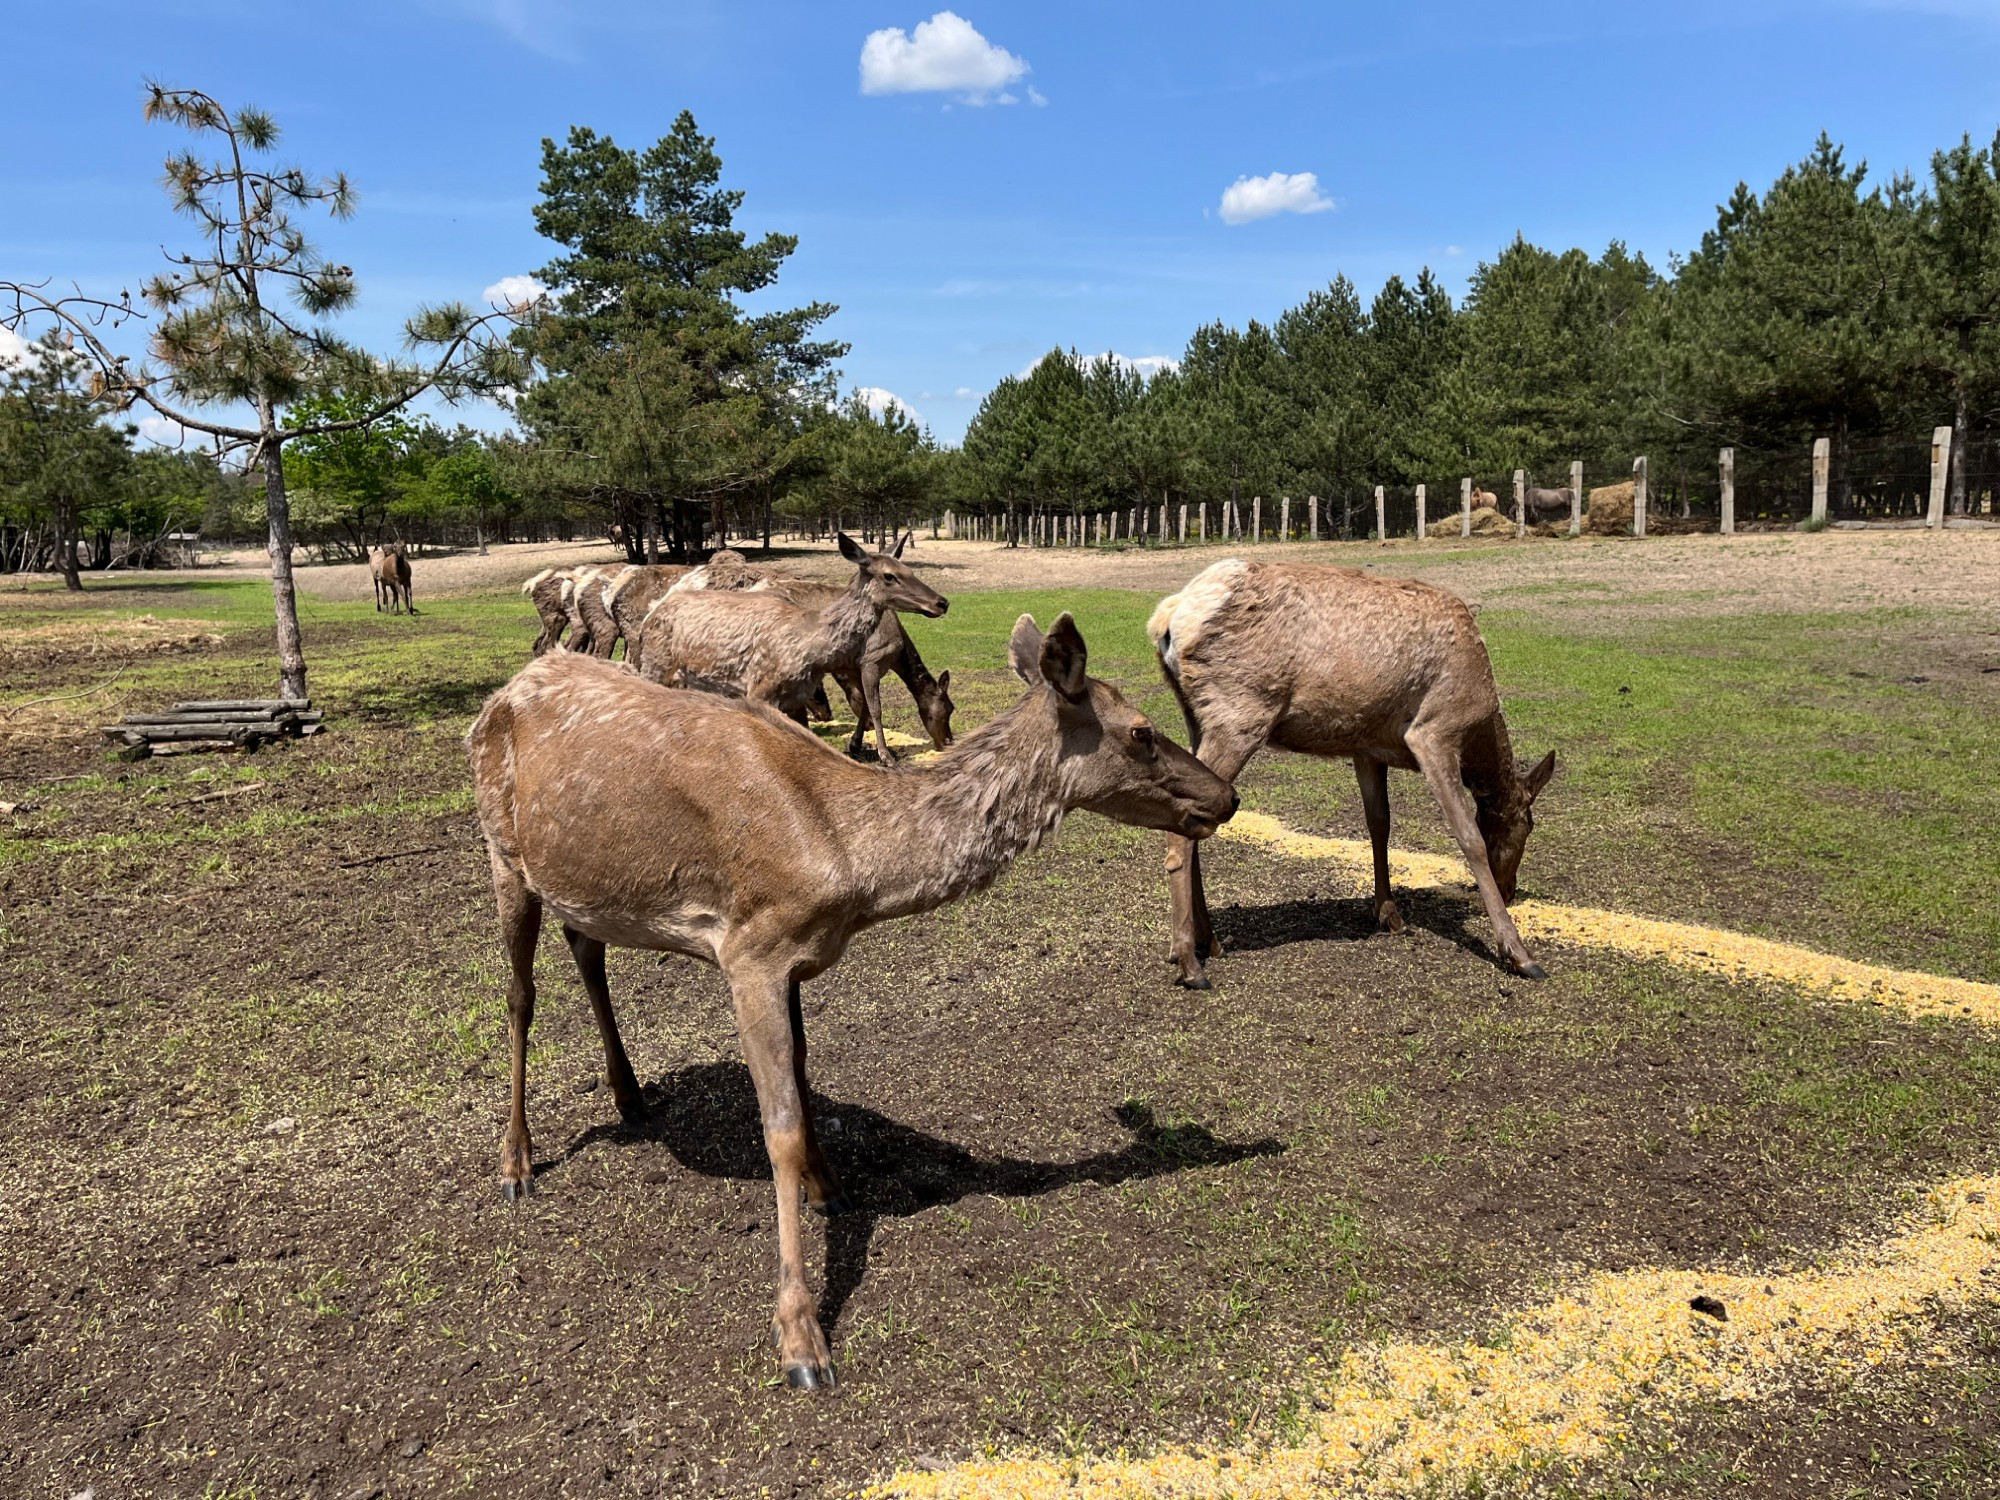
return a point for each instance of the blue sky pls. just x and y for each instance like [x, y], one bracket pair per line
[963, 235]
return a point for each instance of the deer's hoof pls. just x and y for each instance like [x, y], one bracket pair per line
[1388, 918]
[834, 1207]
[810, 1377]
[632, 1111]
[514, 1192]
[1531, 970]
[1195, 982]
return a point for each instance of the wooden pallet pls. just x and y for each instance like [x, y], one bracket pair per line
[214, 724]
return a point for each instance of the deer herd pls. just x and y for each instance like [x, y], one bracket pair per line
[676, 802]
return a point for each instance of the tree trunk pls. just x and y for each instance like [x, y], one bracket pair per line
[1961, 425]
[291, 648]
[767, 516]
[479, 527]
[66, 540]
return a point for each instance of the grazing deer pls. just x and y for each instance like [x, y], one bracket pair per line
[390, 567]
[735, 837]
[631, 597]
[1330, 661]
[549, 592]
[889, 649]
[760, 645]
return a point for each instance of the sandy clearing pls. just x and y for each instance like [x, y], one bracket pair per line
[1590, 579]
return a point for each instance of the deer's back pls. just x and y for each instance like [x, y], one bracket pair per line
[746, 641]
[652, 817]
[1338, 660]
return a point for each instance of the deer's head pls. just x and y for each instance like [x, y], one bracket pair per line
[1506, 821]
[887, 583]
[1112, 760]
[934, 706]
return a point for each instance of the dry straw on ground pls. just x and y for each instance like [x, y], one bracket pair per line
[1562, 1384]
[1732, 955]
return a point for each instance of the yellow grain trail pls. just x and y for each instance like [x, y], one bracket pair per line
[1560, 1389]
[1712, 950]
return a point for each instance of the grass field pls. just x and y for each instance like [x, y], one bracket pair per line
[255, 1076]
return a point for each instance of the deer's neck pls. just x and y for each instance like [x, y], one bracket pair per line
[844, 628]
[1486, 762]
[932, 833]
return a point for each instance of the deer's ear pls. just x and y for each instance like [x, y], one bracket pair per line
[944, 680]
[1539, 777]
[1024, 650]
[897, 551]
[1064, 659]
[849, 548]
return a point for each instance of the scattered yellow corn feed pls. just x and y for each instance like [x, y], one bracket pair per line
[1733, 955]
[1563, 1384]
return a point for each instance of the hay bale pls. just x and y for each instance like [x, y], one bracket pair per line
[1487, 520]
[1610, 512]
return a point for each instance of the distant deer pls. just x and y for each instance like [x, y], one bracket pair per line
[763, 646]
[549, 592]
[889, 649]
[390, 568]
[732, 836]
[1330, 661]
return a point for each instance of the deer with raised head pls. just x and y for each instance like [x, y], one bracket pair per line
[1334, 662]
[758, 644]
[732, 835]
[389, 566]
[889, 649]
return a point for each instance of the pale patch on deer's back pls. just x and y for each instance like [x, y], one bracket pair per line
[1179, 619]
[536, 582]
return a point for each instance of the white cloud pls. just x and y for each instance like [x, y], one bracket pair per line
[168, 433]
[964, 393]
[13, 348]
[944, 55]
[1454, 249]
[515, 292]
[1250, 198]
[879, 401]
[1147, 365]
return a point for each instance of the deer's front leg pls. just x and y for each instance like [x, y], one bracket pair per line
[871, 695]
[763, 1022]
[1441, 770]
[1194, 941]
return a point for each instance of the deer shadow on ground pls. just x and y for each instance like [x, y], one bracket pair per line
[1349, 919]
[707, 1116]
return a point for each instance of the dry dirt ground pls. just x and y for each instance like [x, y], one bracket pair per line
[254, 1082]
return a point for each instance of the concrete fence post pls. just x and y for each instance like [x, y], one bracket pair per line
[1163, 520]
[1639, 495]
[1940, 471]
[951, 524]
[1520, 502]
[1465, 506]
[1381, 515]
[1181, 534]
[1822, 467]
[1576, 497]
[1285, 519]
[1257, 518]
[1312, 507]
[1201, 522]
[1726, 464]
[1422, 494]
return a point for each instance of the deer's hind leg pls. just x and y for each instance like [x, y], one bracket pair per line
[520, 929]
[1374, 778]
[822, 1183]
[625, 1091]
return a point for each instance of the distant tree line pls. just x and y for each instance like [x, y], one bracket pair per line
[1820, 307]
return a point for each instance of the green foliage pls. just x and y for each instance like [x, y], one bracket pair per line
[659, 393]
[57, 455]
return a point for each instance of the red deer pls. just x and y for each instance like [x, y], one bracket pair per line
[549, 592]
[1548, 505]
[390, 568]
[733, 836]
[1329, 661]
[761, 645]
[631, 596]
[889, 649]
